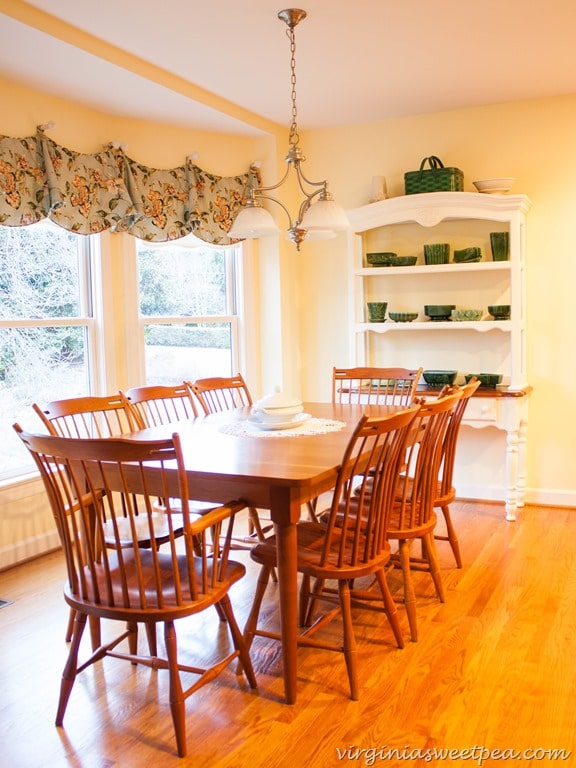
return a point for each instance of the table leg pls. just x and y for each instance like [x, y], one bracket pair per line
[288, 599]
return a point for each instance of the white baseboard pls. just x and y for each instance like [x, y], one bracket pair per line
[548, 498]
[540, 496]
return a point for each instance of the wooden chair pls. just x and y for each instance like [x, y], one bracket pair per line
[371, 385]
[220, 393]
[86, 482]
[412, 515]
[446, 492]
[155, 405]
[375, 385]
[159, 404]
[88, 417]
[352, 544]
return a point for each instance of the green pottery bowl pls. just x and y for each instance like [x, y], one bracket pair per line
[403, 317]
[466, 315]
[403, 261]
[467, 255]
[438, 312]
[486, 379]
[439, 378]
[500, 311]
[382, 259]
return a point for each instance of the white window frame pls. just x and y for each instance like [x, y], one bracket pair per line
[114, 330]
[89, 317]
[240, 279]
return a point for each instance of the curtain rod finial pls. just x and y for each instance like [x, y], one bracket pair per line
[49, 126]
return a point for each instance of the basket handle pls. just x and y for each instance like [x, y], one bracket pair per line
[433, 161]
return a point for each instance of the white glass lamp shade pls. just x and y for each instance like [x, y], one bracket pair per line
[326, 215]
[253, 221]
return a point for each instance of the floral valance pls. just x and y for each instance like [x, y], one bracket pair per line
[88, 193]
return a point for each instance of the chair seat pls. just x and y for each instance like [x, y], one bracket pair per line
[440, 497]
[311, 539]
[398, 529]
[148, 608]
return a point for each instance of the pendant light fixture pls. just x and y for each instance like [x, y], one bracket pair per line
[319, 216]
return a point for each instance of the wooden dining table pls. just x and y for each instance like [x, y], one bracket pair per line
[276, 473]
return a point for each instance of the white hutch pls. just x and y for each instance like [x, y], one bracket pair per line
[463, 219]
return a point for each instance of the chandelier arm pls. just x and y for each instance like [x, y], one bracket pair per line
[258, 194]
[308, 195]
[259, 190]
[305, 204]
[302, 178]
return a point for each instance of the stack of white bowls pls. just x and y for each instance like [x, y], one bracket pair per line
[277, 409]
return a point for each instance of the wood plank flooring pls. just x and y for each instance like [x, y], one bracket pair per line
[494, 669]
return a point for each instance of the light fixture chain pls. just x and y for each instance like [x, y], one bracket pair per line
[294, 138]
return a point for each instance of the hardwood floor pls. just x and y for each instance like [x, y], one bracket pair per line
[494, 669]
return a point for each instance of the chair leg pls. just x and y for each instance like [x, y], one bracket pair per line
[434, 565]
[451, 537]
[390, 608]
[311, 507]
[239, 642]
[256, 527]
[252, 621]
[94, 623]
[71, 667]
[303, 600]
[70, 625]
[349, 640]
[312, 601]
[151, 635]
[132, 628]
[409, 594]
[176, 695]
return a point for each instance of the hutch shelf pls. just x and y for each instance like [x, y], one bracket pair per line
[403, 225]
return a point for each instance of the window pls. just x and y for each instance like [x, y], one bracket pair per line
[188, 306]
[61, 334]
[46, 342]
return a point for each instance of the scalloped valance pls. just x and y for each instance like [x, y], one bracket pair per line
[89, 193]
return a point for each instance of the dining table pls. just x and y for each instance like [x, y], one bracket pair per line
[230, 456]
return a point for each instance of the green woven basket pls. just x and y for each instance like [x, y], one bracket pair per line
[436, 178]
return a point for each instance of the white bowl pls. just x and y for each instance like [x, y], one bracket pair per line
[267, 417]
[494, 186]
[277, 407]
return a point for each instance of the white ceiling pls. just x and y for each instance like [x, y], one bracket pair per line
[356, 61]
